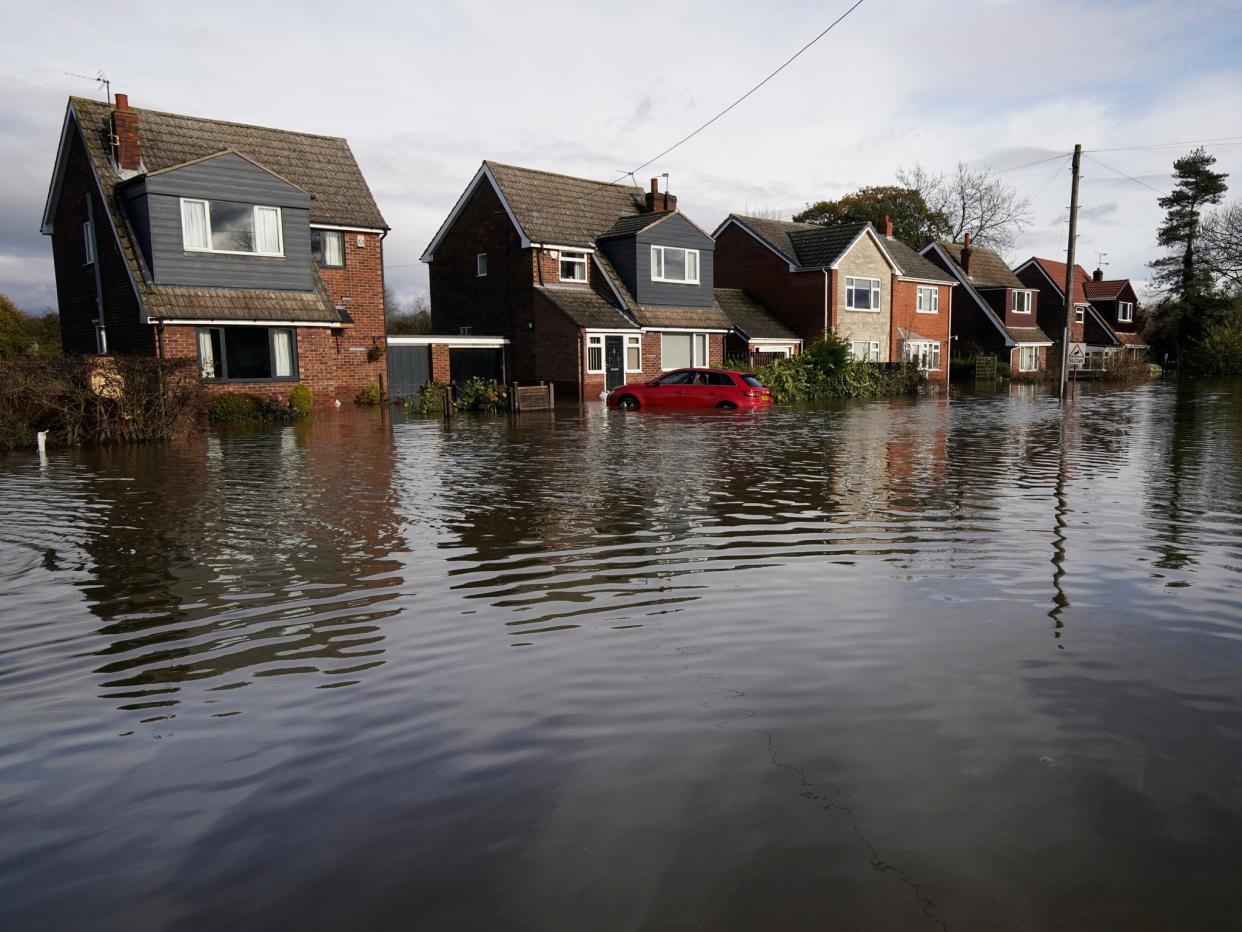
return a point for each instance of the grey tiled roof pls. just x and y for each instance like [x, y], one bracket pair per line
[775, 233]
[1027, 335]
[634, 223]
[561, 209]
[228, 304]
[987, 268]
[750, 317]
[586, 308]
[915, 266]
[710, 318]
[323, 166]
[806, 245]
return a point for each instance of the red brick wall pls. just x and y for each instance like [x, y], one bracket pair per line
[932, 326]
[1050, 308]
[1013, 363]
[361, 281]
[546, 270]
[794, 298]
[75, 281]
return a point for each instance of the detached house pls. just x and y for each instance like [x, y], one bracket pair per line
[592, 284]
[1115, 302]
[256, 251]
[993, 311]
[867, 287]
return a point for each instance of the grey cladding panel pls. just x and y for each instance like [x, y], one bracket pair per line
[133, 199]
[620, 252]
[675, 231]
[228, 177]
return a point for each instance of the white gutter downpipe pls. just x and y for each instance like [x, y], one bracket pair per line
[825, 303]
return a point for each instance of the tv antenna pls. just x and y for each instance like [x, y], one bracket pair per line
[1099, 260]
[100, 79]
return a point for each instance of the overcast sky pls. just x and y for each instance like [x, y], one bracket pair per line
[424, 92]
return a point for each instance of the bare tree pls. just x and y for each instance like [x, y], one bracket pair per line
[977, 201]
[1220, 244]
[764, 213]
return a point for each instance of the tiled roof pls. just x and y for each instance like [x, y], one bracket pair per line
[709, 318]
[915, 266]
[1056, 272]
[323, 166]
[1105, 290]
[987, 268]
[820, 247]
[775, 233]
[586, 307]
[634, 223]
[1027, 335]
[563, 210]
[1130, 339]
[750, 317]
[177, 303]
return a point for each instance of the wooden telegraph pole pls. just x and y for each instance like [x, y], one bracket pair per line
[1069, 270]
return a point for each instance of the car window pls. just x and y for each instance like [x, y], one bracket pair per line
[752, 380]
[719, 378]
[674, 378]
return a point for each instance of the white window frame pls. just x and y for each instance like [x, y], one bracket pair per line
[595, 341]
[1022, 351]
[254, 216]
[633, 340]
[88, 241]
[579, 260]
[657, 262]
[1080, 314]
[851, 285]
[698, 341]
[628, 341]
[1028, 301]
[928, 297]
[1126, 317]
[480, 265]
[872, 353]
[912, 351]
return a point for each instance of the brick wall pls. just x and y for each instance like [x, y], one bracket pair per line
[1013, 362]
[361, 281]
[75, 281]
[933, 326]
[794, 298]
[546, 269]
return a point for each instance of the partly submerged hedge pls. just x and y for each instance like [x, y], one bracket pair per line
[826, 370]
[245, 408]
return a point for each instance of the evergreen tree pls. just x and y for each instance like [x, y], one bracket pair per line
[1197, 185]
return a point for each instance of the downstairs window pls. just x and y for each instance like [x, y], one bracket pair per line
[249, 354]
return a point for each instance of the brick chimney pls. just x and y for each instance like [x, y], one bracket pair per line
[1097, 275]
[657, 202]
[888, 226]
[126, 146]
[967, 252]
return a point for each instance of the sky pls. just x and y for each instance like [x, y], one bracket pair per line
[425, 91]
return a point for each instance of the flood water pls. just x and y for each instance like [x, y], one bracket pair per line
[937, 663]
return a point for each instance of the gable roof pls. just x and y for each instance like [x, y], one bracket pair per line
[322, 166]
[1013, 335]
[915, 266]
[561, 209]
[750, 318]
[987, 268]
[635, 223]
[1055, 273]
[1106, 290]
[807, 246]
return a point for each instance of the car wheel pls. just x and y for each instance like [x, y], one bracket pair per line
[628, 403]
[726, 406]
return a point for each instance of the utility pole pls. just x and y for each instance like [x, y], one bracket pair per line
[1069, 269]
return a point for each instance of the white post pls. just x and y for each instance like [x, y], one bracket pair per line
[42, 439]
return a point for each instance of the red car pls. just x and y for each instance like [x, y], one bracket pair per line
[693, 389]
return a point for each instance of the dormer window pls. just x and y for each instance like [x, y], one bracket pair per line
[1125, 311]
[671, 264]
[231, 228]
[1022, 302]
[573, 267]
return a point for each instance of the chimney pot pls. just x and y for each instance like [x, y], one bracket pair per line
[1097, 275]
[655, 185]
[888, 226]
[126, 141]
[122, 101]
[967, 252]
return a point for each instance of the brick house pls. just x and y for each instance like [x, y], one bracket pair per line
[256, 251]
[993, 311]
[1116, 304]
[592, 284]
[867, 287]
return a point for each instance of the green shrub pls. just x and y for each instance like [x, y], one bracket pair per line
[368, 396]
[301, 399]
[482, 395]
[244, 408]
[826, 370]
[830, 352]
[1219, 352]
[15, 432]
[428, 403]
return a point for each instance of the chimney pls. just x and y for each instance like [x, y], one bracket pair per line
[126, 148]
[657, 202]
[1097, 275]
[888, 226]
[967, 252]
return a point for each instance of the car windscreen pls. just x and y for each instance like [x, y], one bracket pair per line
[752, 380]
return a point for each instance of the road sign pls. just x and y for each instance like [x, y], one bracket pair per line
[1077, 355]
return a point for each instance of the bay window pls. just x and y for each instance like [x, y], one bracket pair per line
[862, 294]
[328, 248]
[928, 300]
[573, 267]
[671, 264]
[230, 227]
[247, 353]
[682, 350]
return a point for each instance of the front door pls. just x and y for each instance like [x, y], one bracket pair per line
[614, 362]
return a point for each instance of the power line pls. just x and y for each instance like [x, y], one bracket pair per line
[1130, 177]
[1060, 168]
[1014, 168]
[1228, 140]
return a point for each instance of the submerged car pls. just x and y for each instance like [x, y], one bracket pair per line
[693, 388]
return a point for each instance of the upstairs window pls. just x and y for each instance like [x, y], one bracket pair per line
[328, 248]
[229, 227]
[1080, 314]
[1022, 302]
[1125, 311]
[480, 265]
[928, 300]
[671, 264]
[862, 294]
[88, 242]
[573, 267]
